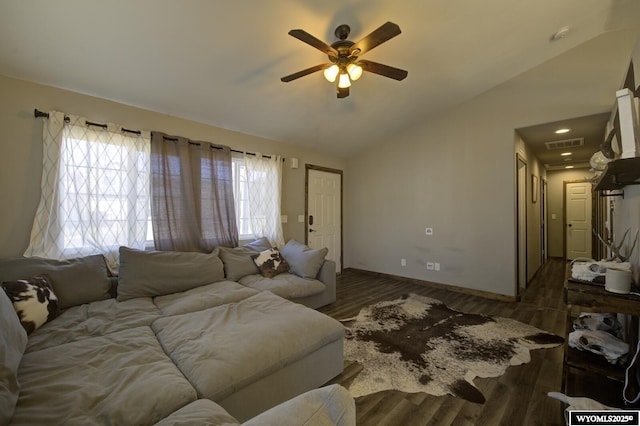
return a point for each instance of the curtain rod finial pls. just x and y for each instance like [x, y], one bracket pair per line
[37, 113]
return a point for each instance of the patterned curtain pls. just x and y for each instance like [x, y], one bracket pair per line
[264, 181]
[192, 206]
[95, 190]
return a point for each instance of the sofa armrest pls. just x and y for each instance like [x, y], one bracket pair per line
[199, 412]
[327, 275]
[330, 405]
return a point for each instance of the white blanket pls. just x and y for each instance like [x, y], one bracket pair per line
[589, 271]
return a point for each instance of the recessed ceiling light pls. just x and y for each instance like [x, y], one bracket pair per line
[568, 167]
[561, 131]
[564, 154]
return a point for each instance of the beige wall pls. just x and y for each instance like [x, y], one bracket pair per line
[21, 152]
[453, 174]
[555, 197]
[456, 173]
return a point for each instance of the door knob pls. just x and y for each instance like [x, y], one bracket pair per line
[312, 230]
[570, 225]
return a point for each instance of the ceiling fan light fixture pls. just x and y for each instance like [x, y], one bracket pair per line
[343, 80]
[345, 65]
[355, 71]
[331, 73]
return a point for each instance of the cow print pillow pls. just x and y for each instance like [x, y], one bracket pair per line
[34, 301]
[270, 262]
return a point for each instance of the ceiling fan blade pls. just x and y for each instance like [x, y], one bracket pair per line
[377, 37]
[343, 92]
[384, 70]
[302, 73]
[304, 36]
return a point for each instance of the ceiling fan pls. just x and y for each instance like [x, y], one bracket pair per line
[345, 65]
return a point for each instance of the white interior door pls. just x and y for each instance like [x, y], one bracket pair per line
[578, 219]
[324, 217]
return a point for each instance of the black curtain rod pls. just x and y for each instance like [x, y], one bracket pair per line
[37, 113]
[168, 138]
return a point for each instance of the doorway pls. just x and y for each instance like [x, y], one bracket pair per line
[521, 207]
[578, 206]
[323, 225]
[543, 222]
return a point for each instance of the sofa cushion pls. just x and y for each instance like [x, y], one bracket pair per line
[120, 378]
[154, 273]
[13, 341]
[75, 281]
[33, 300]
[221, 350]
[303, 261]
[284, 285]
[203, 297]
[200, 412]
[238, 262]
[270, 262]
[92, 320]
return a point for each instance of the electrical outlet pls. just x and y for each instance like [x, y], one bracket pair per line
[403, 262]
[436, 266]
[430, 266]
[284, 218]
[428, 231]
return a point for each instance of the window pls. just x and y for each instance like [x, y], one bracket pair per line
[104, 179]
[241, 197]
[95, 193]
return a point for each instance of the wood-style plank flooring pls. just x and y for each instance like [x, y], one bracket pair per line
[519, 397]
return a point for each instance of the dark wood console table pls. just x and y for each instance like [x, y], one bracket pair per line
[587, 374]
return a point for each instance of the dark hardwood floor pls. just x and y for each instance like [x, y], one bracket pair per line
[519, 397]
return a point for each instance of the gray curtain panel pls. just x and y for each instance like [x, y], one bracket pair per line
[192, 207]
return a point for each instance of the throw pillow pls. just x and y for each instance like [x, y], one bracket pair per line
[237, 261]
[270, 262]
[34, 301]
[303, 261]
[75, 281]
[155, 273]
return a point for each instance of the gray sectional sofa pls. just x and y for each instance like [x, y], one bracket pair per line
[176, 338]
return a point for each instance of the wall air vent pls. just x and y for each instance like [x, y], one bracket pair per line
[564, 144]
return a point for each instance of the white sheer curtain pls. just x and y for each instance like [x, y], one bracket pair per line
[95, 190]
[264, 181]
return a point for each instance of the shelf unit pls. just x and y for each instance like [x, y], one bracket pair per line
[596, 374]
[618, 174]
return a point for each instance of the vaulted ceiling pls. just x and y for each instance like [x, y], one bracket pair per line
[220, 62]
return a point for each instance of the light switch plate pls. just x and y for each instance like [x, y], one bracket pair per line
[301, 218]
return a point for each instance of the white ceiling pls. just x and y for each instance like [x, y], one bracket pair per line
[220, 62]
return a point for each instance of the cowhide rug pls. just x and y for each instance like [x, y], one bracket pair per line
[417, 344]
